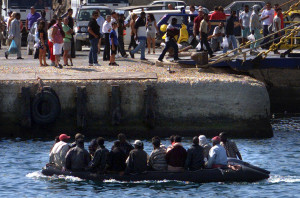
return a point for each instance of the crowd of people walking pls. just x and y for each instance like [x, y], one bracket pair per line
[56, 37]
[123, 157]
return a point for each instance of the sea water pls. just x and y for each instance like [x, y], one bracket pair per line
[21, 162]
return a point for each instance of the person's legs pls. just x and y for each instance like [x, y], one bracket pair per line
[95, 50]
[257, 36]
[91, 54]
[52, 57]
[234, 43]
[265, 33]
[153, 45]
[174, 45]
[99, 45]
[41, 56]
[149, 44]
[137, 48]
[162, 55]
[205, 42]
[106, 54]
[44, 56]
[18, 43]
[73, 53]
[225, 49]
[143, 48]
[66, 52]
[121, 46]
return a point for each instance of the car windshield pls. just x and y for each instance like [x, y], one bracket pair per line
[86, 14]
[229, 6]
[26, 4]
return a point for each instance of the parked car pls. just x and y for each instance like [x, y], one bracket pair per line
[175, 4]
[240, 5]
[82, 19]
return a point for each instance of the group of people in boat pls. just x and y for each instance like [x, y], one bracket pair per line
[123, 157]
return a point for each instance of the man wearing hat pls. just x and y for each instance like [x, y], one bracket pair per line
[217, 155]
[197, 22]
[137, 160]
[59, 151]
[78, 158]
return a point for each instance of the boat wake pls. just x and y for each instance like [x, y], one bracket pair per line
[39, 175]
[283, 179]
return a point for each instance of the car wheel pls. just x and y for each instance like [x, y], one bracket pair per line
[78, 45]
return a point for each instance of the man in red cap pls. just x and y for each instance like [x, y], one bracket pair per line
[59, 151]
[217, 155]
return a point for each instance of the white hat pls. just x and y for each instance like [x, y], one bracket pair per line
[138, 143]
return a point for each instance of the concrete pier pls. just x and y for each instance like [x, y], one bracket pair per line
[136, 98]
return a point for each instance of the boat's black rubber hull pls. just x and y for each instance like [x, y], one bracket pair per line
[246, 174]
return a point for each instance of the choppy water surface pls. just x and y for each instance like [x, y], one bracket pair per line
[21, 161]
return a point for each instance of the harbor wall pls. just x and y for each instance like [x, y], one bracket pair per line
[185, 106]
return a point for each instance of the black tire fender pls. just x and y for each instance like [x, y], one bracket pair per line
[45, 107]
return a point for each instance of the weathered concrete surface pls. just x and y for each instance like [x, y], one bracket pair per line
[186, 106]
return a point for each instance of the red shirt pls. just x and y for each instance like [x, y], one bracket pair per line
[218, 16]
[281, 18]
[197, 22]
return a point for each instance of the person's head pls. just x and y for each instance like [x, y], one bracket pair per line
[256, 8]
[138, 144]
[43, 13]
[121, 16]
[172, 139]
[114, 25]
[223, 136]
[114, 15]
[200, 12]
[216, 8]
[70, 12]
[177, 138]
[205, 17]
[32, 10]
[276, 5]
[18, 16]
[279, 11]
[233, 13]
[221, 24]
[268, 6]
[100, 141]
[63, 137]
[221, 9]
[196, 140]
[192, 8]
[117, 144]
[246, 8]
[216, 140]
[156, 142]
[52, 22]
[202, 140]
[151, 17]
[59, 20]
[66, 20]
[79, 136]
[108, 18]
[93, 146]
[95, 14]
[41, 25]
[13, 15]
[134, 16]
[174, 21]
[143, 15]
[10, 13]
[122, 137]
[170, 7]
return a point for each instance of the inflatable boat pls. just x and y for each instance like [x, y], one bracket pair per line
[246, 173]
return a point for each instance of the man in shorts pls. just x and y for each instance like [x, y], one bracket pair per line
[245, 23]
[58, 35]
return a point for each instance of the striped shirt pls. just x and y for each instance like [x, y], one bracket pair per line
[231, 148]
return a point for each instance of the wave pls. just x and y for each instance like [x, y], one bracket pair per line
[39, 175]
[284, 179]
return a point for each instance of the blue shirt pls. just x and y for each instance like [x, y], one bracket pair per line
[113, 35]
[32, 18]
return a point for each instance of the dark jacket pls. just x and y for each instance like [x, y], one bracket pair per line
[99, 161]
[117, 160]
[176, 156]
[229, 28]
[195, 159]
[137, 161]
[125, 147]
[77, 159]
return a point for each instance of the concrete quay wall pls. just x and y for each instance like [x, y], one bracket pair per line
[185, 106]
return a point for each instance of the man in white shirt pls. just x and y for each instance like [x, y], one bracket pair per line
[276, 27]
[267, 16]
[217, 39]
[106, 30]
[245, 23]
[217, 155]
[100, 21]
[59, 151]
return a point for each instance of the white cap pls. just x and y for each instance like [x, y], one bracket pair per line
[138, 143]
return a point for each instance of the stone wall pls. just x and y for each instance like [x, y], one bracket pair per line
[186, 106]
